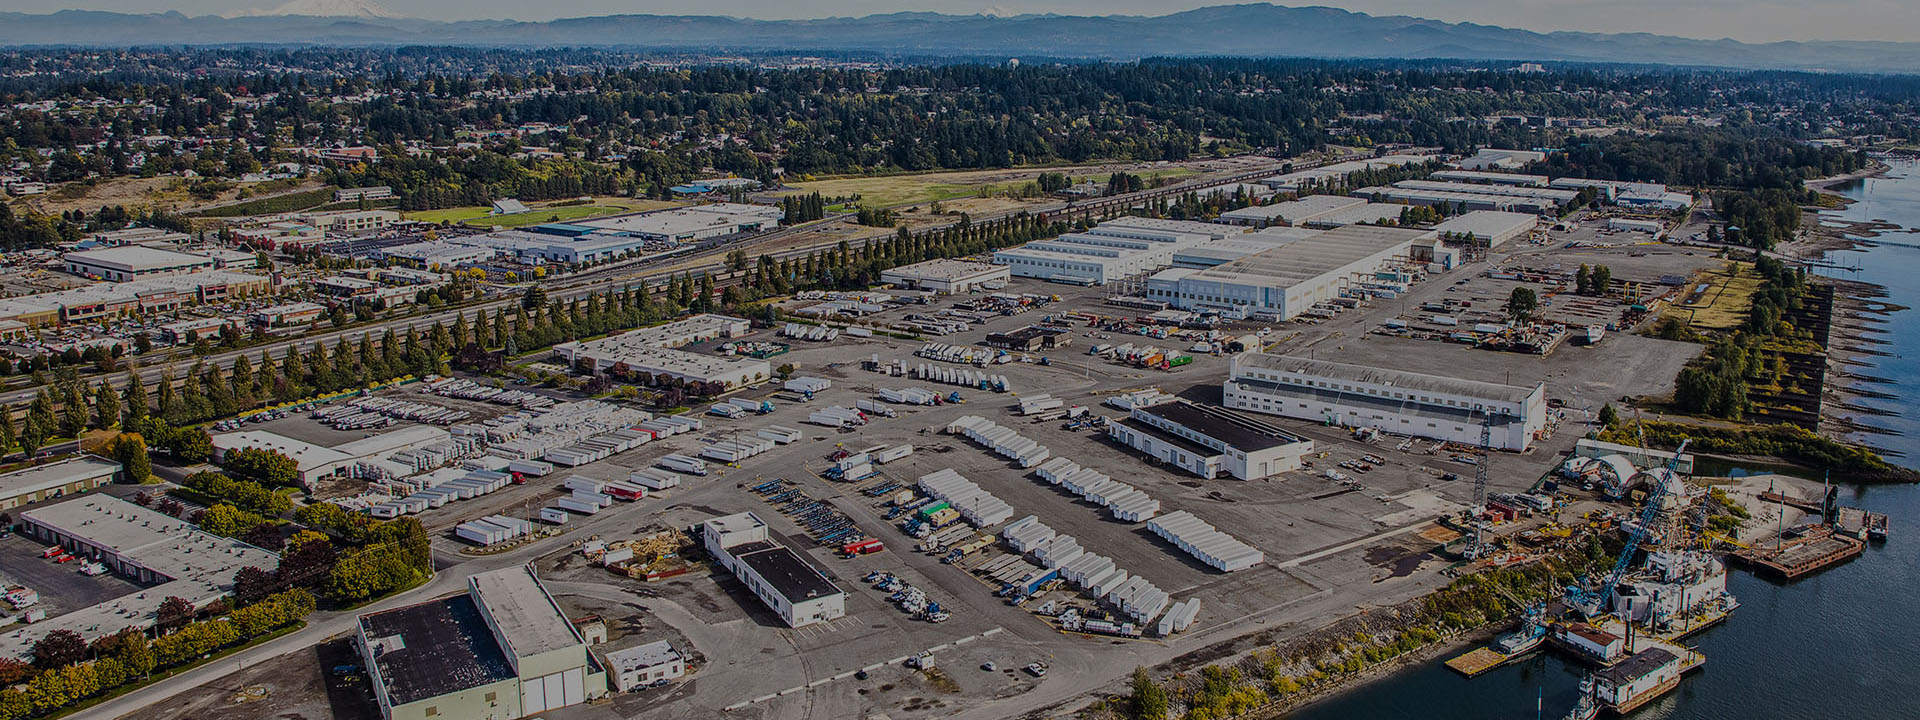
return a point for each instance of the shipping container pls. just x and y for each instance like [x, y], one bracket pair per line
[557, 516]
[572, 505]
[625, 491]
[584, 483]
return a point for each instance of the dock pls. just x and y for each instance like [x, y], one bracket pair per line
[1790, 501]
[1819, 549]
[1477, 661]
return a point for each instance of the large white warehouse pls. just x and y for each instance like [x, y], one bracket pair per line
[1287, 280]
[1101, 255]
[1392, 401]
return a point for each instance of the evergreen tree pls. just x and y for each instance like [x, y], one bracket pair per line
[134, 406]
[106, 406]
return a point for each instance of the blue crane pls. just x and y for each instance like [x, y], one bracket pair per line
[1587, 602]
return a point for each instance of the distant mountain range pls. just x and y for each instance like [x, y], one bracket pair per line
[323, 8]
[1258, 30]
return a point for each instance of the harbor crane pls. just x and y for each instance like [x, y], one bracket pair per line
[1478, 546]
[1587, 602]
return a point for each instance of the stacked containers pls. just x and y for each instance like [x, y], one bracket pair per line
[781, 435]
[653, 479]
[1179, 617]
[1205, 543]
[976, 505]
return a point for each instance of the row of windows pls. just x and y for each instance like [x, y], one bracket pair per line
[1264, 405]
[1360, 390]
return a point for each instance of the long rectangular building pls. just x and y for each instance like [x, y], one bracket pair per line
[1292, 212]
[46, 482]
[1101, 255]
[1489, 228]
[1287, 280]
[129, 262]
[173, 556]
[1210, 441]
[1392, 401]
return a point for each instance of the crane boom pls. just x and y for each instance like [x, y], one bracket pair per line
[1588, 602]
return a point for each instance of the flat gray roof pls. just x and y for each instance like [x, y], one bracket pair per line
[1489, 223]
[1295, 211]
[136, 257]
[526, 615]
[53, 475]
[1311, 257]
[1382, 376]
[654, 653]
[945, 269]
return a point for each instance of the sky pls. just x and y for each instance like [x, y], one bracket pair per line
[1745, 20]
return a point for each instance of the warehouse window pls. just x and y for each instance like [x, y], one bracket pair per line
[433, 711]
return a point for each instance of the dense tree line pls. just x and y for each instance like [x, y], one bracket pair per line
[620, 127]
[66, 670]
[1720, 383]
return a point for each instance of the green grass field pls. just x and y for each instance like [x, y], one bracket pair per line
[477, 216]
[898, 190]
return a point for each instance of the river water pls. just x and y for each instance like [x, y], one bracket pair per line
[1837, 644]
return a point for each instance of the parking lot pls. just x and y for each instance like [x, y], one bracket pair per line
[62, 587]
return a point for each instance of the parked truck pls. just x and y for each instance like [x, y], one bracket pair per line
[683, 463]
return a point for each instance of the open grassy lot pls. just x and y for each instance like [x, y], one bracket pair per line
[1725, 302]
[898, 190]
[477, 215]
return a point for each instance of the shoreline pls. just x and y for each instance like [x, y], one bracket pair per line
[1859, 311]
[1856, 304]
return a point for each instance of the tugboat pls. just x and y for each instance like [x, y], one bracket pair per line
[1588, 707]
[1530, 635]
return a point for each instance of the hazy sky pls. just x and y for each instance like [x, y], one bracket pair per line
[1750, 20]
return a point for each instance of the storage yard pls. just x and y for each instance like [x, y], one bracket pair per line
[963, 491]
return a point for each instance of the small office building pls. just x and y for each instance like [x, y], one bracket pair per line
[636, 668]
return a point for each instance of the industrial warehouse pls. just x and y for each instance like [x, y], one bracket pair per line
[948, 276]
[1210, 441]
[1286, 281]
[1390, 401]
[1292, 212]
[131, 262]
[649, 352]
[503, 649]
[143, 545]
[793, 588]
[1489, 228]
